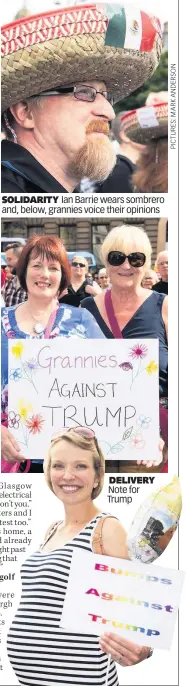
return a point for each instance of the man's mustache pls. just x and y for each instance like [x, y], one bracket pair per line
[98, 126]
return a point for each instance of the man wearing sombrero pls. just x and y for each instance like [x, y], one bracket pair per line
[148, 126]
[61, 73]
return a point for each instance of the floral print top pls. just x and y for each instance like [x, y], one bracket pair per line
[69, 322]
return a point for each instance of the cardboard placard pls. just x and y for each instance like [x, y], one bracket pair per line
[133, 600]
[110, 386]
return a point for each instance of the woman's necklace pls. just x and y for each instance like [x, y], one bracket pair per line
[38, 327]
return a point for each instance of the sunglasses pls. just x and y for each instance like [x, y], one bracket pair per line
[83, 431]
[77, 264]
[136, 259]
[86, 93]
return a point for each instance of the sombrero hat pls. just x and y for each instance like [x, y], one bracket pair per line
[118, 45]
[146, 123]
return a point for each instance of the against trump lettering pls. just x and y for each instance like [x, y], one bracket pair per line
[108, 386]
[110, 594]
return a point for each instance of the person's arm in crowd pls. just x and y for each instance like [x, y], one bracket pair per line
[162, 447]
[93, 289]
[155, 463]
[123, 651]
[165, 314]
[10, 449]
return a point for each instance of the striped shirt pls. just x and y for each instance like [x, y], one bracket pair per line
[14, 293]
[40, 651]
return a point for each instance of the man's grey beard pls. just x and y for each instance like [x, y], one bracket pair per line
[95, 160]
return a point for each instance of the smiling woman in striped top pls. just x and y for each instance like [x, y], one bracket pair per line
[40, 651]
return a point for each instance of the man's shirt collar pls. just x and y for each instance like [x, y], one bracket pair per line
[17, 158]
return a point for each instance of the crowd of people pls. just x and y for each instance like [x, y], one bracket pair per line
[125, 298]
[60, 135]
[117, 301]
[83, 281]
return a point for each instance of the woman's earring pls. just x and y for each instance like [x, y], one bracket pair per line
[14, 135]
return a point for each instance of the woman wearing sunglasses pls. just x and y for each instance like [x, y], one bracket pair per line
[80, 286]
[128, 310]
[40, 651]
[44, 272]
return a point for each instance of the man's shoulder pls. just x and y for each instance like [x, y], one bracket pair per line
[9, 155]
[6, 148]
[161, 287]
[11, 179]
[120, 179]
[22, 172]
[123, 161]
[10, 284]
[9, 184]
[156, 286]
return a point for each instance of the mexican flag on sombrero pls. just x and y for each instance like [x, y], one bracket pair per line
[131, 28]
[117, 44]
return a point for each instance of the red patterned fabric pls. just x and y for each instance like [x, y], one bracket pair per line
[29, 31]
[77, 20]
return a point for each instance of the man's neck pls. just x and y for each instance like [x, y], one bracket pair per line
[56, 163]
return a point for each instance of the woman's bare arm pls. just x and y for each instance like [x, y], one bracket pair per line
[165, 314]
[114, 539]
[123, 651]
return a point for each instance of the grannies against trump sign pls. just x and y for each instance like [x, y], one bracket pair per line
[130, 599]
[108, 386]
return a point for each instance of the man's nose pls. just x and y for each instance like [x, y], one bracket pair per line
[102, 107]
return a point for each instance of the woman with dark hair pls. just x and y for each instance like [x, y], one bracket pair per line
[44, 272]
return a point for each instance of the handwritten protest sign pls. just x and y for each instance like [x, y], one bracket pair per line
[110, 386]
[136, 601]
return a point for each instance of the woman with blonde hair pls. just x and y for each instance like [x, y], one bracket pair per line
[128, 310]
[150, 278]
[40, 651]
[80, 284]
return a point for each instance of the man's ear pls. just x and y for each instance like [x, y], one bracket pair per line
[124, 138]
[23, 114]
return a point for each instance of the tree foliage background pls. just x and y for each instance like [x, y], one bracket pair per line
[158, 82]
